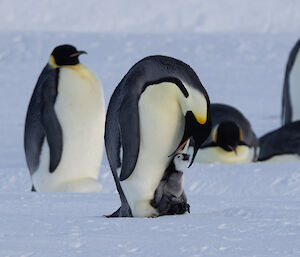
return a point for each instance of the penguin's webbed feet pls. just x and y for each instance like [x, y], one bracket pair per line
[179, 208]
[170, 205]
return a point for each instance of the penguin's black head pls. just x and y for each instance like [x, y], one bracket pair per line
[195, 131]
[66, 55]
[195, 106]
[228, 136]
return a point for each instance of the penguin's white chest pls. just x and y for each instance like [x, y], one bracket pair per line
[80, 110]
[161, 129]
[294, 80]
[217, 154]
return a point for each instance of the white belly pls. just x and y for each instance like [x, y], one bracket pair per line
[80, 110]
[294, 80]
[161, 129]
[285, 158]
[217, 154]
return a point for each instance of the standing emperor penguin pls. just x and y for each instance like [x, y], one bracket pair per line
[291, 88]
[231, 140]
[64, 128]
[156, 108]
[282, 144]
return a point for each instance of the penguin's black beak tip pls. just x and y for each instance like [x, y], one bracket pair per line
[193, 158]
[233, 148]
[82, 52]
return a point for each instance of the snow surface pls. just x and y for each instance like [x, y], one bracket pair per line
[236, 210]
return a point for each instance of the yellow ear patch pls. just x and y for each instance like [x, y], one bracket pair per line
[215, 134]
[52, 61]
[241, 135]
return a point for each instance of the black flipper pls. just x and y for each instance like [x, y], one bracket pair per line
[50, 122]
[53, 134]
[113, 145]
[41, 121]
[130, 134]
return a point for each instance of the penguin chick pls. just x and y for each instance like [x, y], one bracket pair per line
[169, 196]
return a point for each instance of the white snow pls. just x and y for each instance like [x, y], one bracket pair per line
[239, 50]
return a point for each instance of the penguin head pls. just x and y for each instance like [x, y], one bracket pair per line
[195, 108]
[228, 136]
[180, 161]
[65, 55]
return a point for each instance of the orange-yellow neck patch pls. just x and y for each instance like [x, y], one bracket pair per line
[52, 62]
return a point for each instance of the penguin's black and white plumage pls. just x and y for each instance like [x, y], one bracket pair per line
[170, 190]
[231, 140]
[155, 109]
[64, 128]
[282, 144]
[291, 88]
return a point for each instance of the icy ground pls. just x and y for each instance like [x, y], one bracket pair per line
[236, 210]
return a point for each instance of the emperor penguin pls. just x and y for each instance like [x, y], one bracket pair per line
[156, 108]
[291, 88]
[282, 144]
[231, 140]
[170, 189]
[64, 127]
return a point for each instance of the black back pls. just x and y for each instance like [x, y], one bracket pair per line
[221, 113]
[285, 140]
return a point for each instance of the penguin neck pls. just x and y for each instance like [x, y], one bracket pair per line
[195, 102]
[75, 67]
[52, 62]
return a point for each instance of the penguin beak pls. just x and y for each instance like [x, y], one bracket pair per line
[232, 148]
[186, 157]
[78, 53]
[199, 132]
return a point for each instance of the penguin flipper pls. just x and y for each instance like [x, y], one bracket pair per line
[53, 134]
[121, 212]
[130, 137]
[50, 121]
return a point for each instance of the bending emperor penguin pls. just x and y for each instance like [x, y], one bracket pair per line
[64, 128]
[231, 140]
[291, 88]
[155, 109]
[282, 144]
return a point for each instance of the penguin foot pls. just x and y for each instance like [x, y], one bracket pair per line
[179, 208]
[170, 205]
